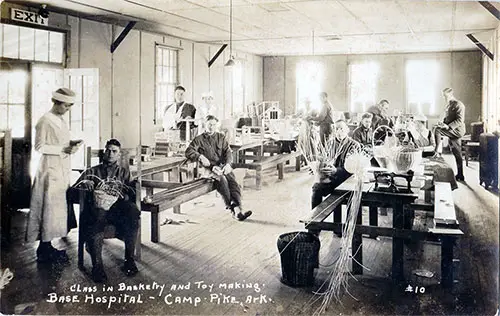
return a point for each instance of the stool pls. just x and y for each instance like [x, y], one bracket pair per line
[467, 147]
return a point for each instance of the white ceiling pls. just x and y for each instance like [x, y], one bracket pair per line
[304, 27]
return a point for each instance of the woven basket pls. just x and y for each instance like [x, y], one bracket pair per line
[299, 256]
[104, 200]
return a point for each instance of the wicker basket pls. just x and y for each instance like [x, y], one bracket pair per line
[104, 200]
[299, 256]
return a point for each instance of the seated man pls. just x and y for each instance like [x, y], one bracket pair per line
[363, 133]
[123, 214]
[212, 150]
[336, 175]
[421, 136]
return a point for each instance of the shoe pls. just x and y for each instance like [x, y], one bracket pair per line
[51, 254]
[459, 178]
[242, 216]
[129, 268]
[98, 274]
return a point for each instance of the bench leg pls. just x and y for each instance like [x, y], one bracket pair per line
[155, 226]
[397, 244]
[258, 178]
[280, 171]
[447, 261]
[297, 163]
[177, 209]
[357, 248]
[373, 217]
[337, 217]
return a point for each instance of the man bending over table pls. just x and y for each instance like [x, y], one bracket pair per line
[212, 150]
[123, 214]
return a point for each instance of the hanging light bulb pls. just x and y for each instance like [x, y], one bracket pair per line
[230, 62]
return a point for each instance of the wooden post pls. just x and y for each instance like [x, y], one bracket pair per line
[280, 171]
[138, 199]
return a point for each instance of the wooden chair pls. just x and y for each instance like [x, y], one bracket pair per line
[83, 198]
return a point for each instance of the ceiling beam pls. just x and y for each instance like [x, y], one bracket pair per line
[490, 7]
[221, 49]
[122, 35]
[480, 46]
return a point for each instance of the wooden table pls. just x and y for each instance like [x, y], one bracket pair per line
[402, 205]
[239, 150]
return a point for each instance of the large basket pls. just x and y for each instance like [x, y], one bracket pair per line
[406, 159]
[104, 200]
[299, 256]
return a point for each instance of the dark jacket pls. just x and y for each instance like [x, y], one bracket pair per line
[379, 118]
[214, 147]
[454, 116]
[363, 135]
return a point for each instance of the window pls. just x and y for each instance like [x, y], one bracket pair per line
[166, 79]
[238, 88]
[422, 86]
[13, 101]
[363, 85]
[26, 43]
[309, 77]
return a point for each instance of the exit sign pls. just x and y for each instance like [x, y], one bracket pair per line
[28, 17]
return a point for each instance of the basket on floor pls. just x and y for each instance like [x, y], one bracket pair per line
[104, 200]
[299, 256]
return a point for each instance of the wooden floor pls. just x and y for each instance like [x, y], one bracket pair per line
[204, 246]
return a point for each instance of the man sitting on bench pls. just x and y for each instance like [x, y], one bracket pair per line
[123, 214]
[212, 150]
[334, 176]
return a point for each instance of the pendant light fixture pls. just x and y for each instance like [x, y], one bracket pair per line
[230, 62]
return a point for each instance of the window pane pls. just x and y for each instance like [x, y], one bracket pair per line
[172, 58]
[41, 45]
[166, 54]
[159, 74]
[3, 116]
[159, 55]
[16, 87]
[3, 87]
[11, 41]
[27, 42]
[56, 45]
[16, 120]
[1, 39]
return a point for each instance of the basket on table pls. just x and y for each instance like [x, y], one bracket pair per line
[104, 200]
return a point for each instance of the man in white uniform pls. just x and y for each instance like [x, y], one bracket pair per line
[48, 217]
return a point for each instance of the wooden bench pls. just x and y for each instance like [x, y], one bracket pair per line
[173, 195]
[267, 162]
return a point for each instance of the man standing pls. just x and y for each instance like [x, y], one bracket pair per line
[332, 177]
[453, 127]
[326, 117]
[49, 217]
[212, 150]
[123, 214]
[177, 111]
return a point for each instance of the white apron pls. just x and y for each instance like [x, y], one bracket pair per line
[48, 217]
[171, 116]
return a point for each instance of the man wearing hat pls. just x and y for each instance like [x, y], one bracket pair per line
[49, 217]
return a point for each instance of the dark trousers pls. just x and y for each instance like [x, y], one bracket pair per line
[325, 131]
[229, 189]
[320, 190]
[455, 141]
[124, 216]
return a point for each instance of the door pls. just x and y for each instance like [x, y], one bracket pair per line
[15, 113]
[83, 119]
